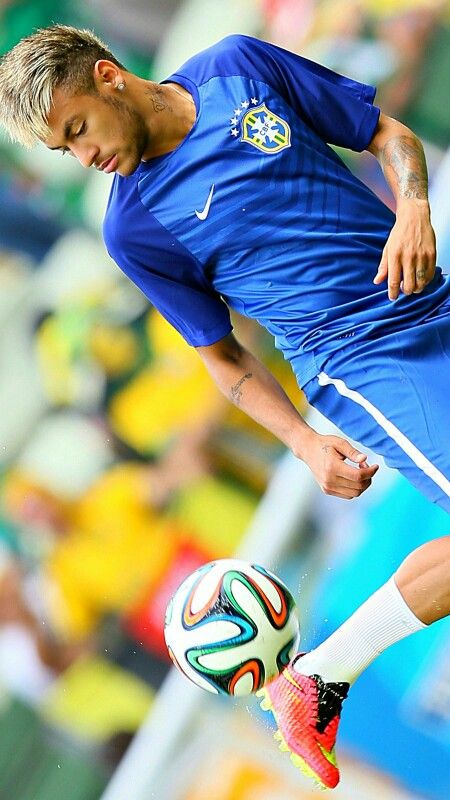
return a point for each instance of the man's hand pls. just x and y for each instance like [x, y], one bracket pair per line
[251, 387]
[409, 256]
[326, 457]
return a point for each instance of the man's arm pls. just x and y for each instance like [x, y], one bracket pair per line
[409, 256]
[249, 385]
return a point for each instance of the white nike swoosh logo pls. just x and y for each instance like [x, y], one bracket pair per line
[203, 214]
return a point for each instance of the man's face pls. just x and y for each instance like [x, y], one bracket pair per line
[100, 130]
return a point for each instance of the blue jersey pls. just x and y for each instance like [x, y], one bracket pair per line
[255, 211]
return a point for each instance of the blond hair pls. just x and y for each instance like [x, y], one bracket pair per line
[58, 56]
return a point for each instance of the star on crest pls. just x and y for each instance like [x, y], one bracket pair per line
[233, 121]
[235, 132]
[254, 101]
[238, 112]
[245, 104]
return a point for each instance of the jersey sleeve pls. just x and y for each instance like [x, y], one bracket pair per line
[167, 275]
[340, 110]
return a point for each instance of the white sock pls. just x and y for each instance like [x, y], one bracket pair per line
[382, 620]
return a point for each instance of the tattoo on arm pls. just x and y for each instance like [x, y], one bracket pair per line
[236, 392]
[404, 156]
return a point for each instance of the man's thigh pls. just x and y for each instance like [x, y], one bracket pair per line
[393, 396]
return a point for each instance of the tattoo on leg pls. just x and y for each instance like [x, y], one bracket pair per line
[236, 393]
[405, 157]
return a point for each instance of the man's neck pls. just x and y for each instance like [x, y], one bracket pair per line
[170, 115]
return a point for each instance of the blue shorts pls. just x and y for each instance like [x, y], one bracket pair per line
[392, 395]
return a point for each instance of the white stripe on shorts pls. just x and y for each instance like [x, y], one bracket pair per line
[399, 438]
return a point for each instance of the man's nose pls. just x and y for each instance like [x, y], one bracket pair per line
[85, 155]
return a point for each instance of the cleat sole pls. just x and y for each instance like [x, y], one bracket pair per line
[265, 703]
[301, 765]
[283, 746]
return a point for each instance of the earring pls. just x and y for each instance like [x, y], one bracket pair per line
[121, 86]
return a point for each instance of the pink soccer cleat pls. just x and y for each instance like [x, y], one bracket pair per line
[307, 712]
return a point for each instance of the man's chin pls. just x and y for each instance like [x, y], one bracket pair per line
[128, 167]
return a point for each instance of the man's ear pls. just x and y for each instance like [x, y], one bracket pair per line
[107, 74]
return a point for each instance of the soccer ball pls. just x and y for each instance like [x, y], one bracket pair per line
[231, 627]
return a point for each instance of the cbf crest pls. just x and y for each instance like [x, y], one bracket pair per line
[265, 130]
[255, 123]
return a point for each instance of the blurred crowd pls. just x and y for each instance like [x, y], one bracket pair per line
[122, 469]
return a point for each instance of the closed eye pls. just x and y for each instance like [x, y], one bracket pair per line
[79, 132]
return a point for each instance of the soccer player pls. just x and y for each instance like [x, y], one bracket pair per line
[227, 193]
